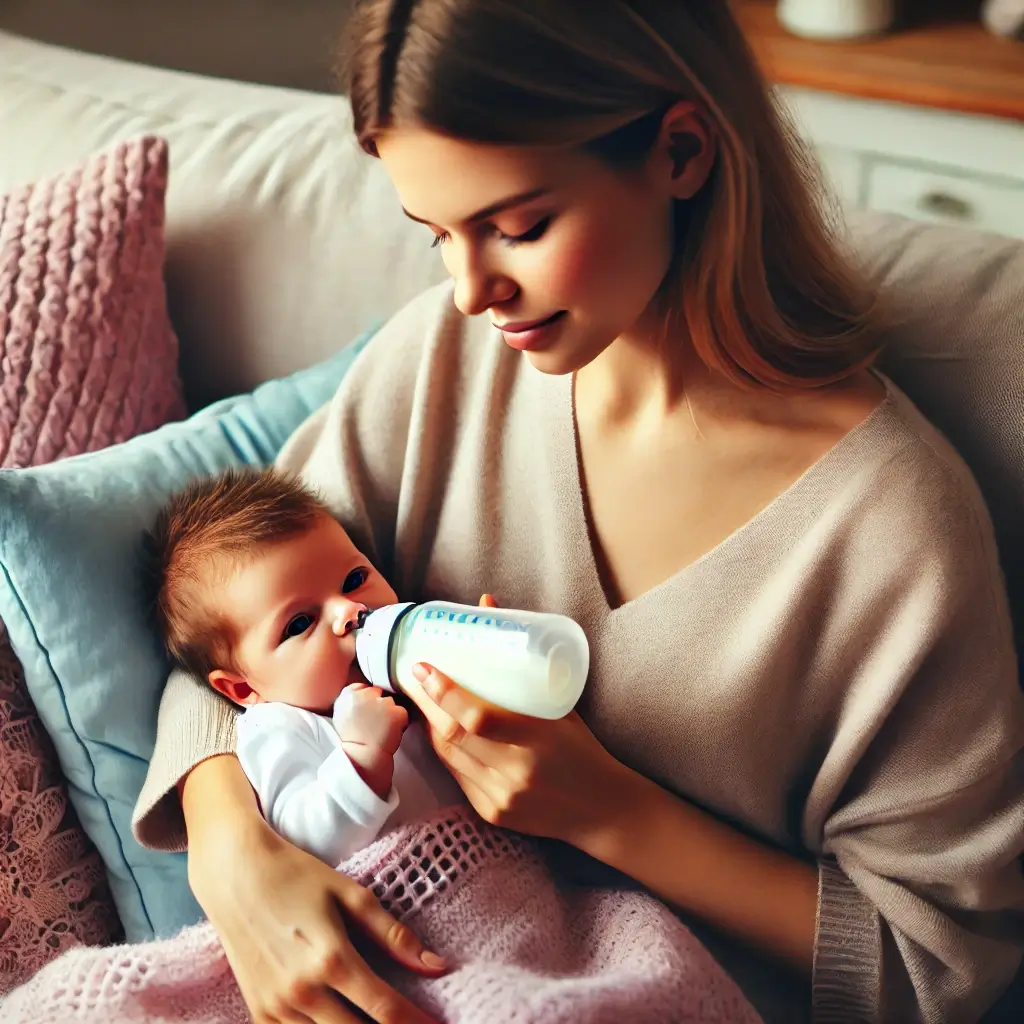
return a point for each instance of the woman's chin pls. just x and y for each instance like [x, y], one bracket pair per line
[560, 361]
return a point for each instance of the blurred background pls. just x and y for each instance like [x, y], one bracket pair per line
[913, 106]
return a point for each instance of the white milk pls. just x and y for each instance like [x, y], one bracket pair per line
[532, 663]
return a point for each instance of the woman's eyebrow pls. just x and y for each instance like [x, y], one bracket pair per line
[494, 209]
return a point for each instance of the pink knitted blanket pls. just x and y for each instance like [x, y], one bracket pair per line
[526, 946]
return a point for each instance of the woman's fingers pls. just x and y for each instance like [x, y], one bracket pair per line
[395, 938]
[377, 1001]
[454, 713]
[338, 968]
[327, 1010]
[322, 1008]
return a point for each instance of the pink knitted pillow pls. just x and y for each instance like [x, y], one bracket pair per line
[88, 358]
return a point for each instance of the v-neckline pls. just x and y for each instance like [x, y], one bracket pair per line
[570, 465]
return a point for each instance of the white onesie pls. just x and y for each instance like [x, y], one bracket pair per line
[311, 793]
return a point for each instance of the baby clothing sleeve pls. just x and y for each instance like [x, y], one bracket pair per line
[309, 790]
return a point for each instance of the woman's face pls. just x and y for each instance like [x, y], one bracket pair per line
[536, 236]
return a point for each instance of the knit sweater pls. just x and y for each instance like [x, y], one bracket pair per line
[837, 677]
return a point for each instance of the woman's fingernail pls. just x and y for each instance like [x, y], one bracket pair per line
[432, 960]
[420, 672]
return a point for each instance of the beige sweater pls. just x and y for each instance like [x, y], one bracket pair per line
[837, 677]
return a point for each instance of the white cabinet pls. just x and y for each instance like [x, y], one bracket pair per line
[936, 195]
[843, 169]
[923, 163]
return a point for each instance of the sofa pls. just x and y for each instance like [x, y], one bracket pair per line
[284, 242]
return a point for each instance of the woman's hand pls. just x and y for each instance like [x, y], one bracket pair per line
[554, 779]
[281, 914]
[543, 778]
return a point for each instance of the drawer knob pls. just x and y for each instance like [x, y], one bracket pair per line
[945, 205]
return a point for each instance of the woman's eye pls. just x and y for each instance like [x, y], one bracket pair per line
[535, 233]
[532, 235]
[354, 580]
[298, 625]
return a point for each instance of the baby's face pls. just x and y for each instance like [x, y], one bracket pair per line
[293, 610]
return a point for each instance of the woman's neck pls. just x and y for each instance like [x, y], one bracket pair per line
[641, 383]
[640, 379]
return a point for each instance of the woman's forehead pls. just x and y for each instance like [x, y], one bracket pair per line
[444, 180]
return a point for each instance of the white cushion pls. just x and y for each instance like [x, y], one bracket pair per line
[285, 241]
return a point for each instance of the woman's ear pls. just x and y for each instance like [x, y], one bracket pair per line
[234, 687]
[686, 150]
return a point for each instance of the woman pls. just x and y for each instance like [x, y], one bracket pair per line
[803, 723]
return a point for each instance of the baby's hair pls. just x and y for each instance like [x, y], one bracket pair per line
[206, 529]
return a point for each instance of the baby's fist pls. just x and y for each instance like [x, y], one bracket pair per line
[367, 716]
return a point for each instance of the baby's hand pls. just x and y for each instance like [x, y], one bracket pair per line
[370, 726]
[365, 715]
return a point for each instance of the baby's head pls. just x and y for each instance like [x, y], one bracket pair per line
[259, 590]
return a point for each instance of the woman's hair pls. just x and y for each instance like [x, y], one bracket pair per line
[757, 279]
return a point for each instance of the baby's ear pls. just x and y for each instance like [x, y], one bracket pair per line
[234, 687]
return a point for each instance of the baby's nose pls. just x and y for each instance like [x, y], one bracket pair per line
[348, 616]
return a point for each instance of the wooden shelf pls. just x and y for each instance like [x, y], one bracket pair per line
[950, 62]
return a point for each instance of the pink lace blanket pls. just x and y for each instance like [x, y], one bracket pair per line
[525, 945]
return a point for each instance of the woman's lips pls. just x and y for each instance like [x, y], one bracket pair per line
[529, 335]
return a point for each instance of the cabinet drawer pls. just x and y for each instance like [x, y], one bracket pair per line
[843, 170]
[933, 195]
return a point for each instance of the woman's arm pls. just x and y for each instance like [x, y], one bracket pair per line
[289, 947]
[554, 779]
[915, 910]
[759, 894]
[194, 724]
[281, 914]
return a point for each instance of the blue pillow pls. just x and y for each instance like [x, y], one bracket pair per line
[70, 598]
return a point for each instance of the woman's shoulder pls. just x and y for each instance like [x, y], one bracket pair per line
[429, 364]
[426, 327]
[919, 489]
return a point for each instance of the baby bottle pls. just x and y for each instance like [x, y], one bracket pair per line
[528, 662]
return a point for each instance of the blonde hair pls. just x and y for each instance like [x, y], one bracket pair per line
[758, 282]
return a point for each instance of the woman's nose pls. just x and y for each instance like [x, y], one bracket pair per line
[347, 616]
[478, 287]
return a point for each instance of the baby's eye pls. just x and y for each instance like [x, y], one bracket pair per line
[298, 625]
[354, 580]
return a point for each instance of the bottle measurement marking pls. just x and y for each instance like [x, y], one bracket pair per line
[474, 628]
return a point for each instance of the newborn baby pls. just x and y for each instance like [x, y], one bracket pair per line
[259, 591]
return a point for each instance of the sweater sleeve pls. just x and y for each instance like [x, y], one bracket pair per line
[921, 895]
[352, 453]
[309, 790]
[194, 723]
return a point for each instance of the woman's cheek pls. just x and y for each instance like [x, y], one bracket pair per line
[582, 264]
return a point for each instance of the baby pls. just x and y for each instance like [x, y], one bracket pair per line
[259, 591]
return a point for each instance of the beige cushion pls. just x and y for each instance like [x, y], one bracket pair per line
[284, 240]
[275, 42]
[957, 348]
